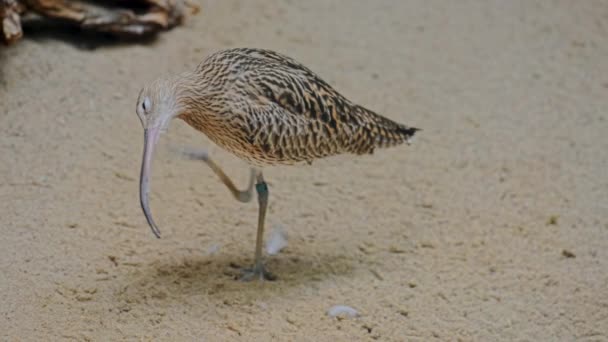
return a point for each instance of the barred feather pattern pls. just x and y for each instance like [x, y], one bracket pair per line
[267, 108]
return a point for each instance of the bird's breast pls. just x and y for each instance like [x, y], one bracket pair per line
[235, 139]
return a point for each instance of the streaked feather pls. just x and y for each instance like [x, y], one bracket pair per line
[269, 109]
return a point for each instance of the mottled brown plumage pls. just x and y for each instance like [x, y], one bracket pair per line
[265, 108]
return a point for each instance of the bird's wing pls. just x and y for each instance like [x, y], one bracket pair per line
[288, 99]
[291, 116]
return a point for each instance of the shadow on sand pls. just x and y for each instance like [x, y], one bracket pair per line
[43, 30]
[216, 277]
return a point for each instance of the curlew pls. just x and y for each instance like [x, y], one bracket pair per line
[266, 109]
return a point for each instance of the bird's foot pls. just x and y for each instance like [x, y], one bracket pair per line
[257, 272]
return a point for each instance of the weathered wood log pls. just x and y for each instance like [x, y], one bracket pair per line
[151, 16]
[10, 20]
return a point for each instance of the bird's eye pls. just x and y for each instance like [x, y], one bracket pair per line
[145, 104]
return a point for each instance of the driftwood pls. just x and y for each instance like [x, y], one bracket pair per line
[125, 18]
[11, 23]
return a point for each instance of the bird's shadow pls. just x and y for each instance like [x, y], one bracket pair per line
[216, 277]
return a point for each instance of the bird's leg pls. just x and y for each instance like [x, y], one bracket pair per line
[240, 195]
[258, 271]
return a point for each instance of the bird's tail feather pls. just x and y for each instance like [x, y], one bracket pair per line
[386, 132]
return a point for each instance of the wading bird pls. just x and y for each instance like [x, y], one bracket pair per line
[266, 109]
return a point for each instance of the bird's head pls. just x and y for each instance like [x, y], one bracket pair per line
[157, 104]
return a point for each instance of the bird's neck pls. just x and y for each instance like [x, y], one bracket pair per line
[196, 100]
[192, 96]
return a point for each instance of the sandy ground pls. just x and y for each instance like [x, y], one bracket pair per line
[492, 226]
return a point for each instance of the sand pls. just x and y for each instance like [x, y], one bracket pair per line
[492, 226]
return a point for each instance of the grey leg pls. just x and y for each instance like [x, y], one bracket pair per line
[240, 195]
[258, 271]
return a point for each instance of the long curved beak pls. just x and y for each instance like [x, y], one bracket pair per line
[150, 138]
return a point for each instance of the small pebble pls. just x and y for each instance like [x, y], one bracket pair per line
[277, 241]
[376, 274]
[84, 298]
[123, 176]
[342, 311]
[159, 295]
[113, 259]
[213, 249]
[396, 250]
[568, 254]
[552, 221]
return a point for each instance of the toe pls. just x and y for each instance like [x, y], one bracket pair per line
[257, 273]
